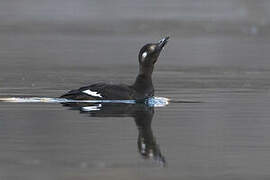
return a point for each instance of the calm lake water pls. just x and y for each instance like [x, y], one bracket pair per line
[225, 136]
[223, 64]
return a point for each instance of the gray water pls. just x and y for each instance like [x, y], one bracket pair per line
[218, 56]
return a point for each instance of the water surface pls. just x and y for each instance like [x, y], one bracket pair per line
[225, 136]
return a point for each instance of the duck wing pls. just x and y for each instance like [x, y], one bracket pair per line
[101, 91]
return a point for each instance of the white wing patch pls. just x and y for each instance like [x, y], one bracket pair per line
[91, 93]
[144, 54]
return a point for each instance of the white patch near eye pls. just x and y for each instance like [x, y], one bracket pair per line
[92, 93]
[144, 54]
[152, 47]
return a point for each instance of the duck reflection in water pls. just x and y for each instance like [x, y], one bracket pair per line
[142, 114]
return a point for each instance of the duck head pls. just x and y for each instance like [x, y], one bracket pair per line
[149, 54]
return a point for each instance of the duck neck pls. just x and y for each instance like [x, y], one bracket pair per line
[143, 82]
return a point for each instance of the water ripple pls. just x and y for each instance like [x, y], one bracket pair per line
[153, 102]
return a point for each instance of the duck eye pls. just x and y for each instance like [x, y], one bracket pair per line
[144, 54]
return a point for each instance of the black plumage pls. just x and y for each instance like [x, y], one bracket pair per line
[141, 89]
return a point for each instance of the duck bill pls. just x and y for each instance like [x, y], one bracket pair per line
[163, 42]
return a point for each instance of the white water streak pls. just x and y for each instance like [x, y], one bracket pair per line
[155, 101]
